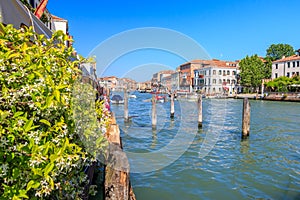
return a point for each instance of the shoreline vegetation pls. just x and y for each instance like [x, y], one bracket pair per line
[52, 130]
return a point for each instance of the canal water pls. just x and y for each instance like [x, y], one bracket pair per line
[176, 161]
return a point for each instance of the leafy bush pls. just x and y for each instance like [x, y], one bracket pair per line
[283, 83]
[40, 153]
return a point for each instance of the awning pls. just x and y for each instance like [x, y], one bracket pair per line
[14, 12]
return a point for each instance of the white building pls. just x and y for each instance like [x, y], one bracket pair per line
[216, 77]
[175, 81]
[289, 67]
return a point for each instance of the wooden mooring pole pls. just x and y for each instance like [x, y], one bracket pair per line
[172, 107]
[199, 111]
[126, 118]
[246, 118]
[154, 120]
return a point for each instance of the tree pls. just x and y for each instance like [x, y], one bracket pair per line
[277, 51]
[252, 71]
[268, 68]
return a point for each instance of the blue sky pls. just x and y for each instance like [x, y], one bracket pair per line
[227, 30]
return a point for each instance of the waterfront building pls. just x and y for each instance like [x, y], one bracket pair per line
[108, 82]
[128, 83]
[166, 83]
[186, 75]
[157, 78]
[216, 77]
[175, 81]
[287, 66]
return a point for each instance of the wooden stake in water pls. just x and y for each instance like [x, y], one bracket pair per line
[200, 111]
[154, 120]
[246, 118]
[126, 118]
[108, 94]
[172, 106]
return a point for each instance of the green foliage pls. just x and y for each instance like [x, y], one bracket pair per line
[283, 84]
[41, 156]
[277, 51]
[253, 70]
[268, 68]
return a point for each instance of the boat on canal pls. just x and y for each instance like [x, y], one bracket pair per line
[117, 99]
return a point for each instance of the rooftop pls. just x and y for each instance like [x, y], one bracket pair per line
[290, 58]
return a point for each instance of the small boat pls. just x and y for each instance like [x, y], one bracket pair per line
[160, 99]
[132, 96]
[117, 99]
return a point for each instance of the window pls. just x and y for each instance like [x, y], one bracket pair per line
[276, 66]
[220, 71]
[205, 72]
[228, 81]
[209, 72]
[214, 81]
[224, 73]
[228, 72]
[297, 63]
[214, 72]
[294, 64]
[276, 75]
[288, 74]
[233, 73]
[219, 89]
[214, 90]
[288, 64]
[233, 82]
[293, 73]
[297, 73]
[220, 81]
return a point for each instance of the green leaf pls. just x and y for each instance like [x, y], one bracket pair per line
[11, 138]
[61, 87]
[28, 125]
[44, 121]
[51, 182]
[48, 101]
[4, 114]
[17, 114]
[32, 184]
[56, 93]
[48, 168]
[23, 194]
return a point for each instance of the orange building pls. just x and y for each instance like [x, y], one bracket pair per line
[186, 74]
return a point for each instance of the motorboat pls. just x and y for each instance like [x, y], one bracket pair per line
[132, 96]
[160, 99]
[117, 99]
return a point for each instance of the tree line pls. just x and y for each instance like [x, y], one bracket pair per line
[254, 68]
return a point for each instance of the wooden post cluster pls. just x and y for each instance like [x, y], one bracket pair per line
[126, 117]
[172, 112]
[154, 119]
[246, 118]
[199, 105]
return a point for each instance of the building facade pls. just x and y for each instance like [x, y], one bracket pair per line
[175, 81]
[216, 77]
[289, 67]
[186, 75]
